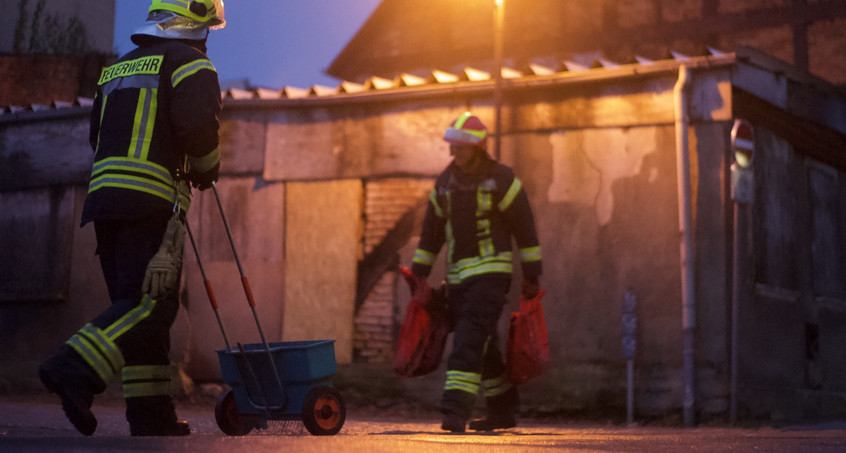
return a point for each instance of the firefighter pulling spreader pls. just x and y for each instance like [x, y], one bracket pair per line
[289, 380]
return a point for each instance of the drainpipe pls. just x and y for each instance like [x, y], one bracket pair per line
[686, 253]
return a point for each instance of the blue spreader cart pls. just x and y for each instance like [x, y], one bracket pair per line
[289, 380]
[286, 381]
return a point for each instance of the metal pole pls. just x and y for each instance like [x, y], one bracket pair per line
[249, 293]
[735, 300]
[629, 348]
[630, 392]
[686, 246]
[499, 16]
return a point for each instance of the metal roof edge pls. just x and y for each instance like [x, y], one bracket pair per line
[43, 114]
[467, 86]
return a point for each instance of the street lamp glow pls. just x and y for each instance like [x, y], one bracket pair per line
[499, 19]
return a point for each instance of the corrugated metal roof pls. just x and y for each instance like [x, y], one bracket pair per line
[381, 84]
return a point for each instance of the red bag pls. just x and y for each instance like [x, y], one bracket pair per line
[422, 337]
[527, 350]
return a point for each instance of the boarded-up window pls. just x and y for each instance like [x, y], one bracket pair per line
[799, 204]
[779, 192]
[828, 241]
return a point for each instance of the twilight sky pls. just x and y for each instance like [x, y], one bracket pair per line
[273, 43]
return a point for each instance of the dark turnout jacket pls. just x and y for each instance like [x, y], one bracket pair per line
[155, 110]
[476, 216]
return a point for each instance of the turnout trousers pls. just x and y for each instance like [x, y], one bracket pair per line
[476, 361]
[132, 336]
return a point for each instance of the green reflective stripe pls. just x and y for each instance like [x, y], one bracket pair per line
[91, 358]
[486, 247]
[142, 129]
[496, 386]
[105, 345]
[529, 254]
[177, 3]
[205, 163]
[146, 380]
[133, 183]
[184, 202]
[506, 201]
[138, 389]
[483, 232]
[483, 227]
[459, 124]
[151, 64]
[146, 372]
[189, 69]
[423, 257]
[470, 267]
[433, 198]
[450, 240]
[128, 164]
[132, 318]
[484, 201]
[97, 350]
[462, 380]
[102, 111]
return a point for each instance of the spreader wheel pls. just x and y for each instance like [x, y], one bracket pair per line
[229, 420]
[324, 411]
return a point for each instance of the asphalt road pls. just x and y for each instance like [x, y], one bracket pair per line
[41, 427]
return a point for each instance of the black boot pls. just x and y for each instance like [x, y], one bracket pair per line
[154, 416]
[456, 405]
[67, 375]
[492, 422]
[501, 411]
[453, 423]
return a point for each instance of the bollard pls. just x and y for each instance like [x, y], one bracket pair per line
[629, 343]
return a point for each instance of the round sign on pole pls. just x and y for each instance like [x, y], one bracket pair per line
[743, 142]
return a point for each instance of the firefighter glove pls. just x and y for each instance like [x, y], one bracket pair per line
[163, 269]
[205, 179]
[530, 288]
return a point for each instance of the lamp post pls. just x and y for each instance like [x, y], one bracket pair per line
[499, 15]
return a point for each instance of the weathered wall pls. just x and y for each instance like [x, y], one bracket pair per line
[40, 164]
[302, 188]
[598, 162]
[605, 202]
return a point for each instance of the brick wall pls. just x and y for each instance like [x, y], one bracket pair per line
[42, 79]
[386, 201]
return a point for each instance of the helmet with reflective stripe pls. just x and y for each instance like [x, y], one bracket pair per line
[207, 12]
[467, 130]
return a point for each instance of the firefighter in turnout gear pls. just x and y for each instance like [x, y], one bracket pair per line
[476, 207]
[154, 123]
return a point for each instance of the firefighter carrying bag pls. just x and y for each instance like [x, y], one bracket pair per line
[527, 350]
[422, 337]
